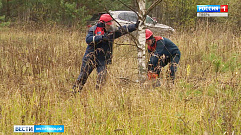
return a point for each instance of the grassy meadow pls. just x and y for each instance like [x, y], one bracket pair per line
[39, 66]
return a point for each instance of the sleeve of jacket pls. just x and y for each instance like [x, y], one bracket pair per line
[159, 47]
[124, 30]
[91, 39]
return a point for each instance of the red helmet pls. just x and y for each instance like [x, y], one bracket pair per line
[149, 33]
[106, 18]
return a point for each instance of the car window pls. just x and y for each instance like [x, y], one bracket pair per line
[149, 20]
[128, 16]
[132, 17]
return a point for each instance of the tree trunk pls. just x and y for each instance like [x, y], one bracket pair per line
[141, 43]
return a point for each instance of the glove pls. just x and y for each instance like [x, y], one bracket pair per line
[137, 23]
[154, 54]
[106, 37]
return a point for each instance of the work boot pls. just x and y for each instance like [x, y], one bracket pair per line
[75, 89]
[97, 87]
[156, 83]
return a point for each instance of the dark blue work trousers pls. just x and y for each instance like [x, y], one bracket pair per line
[89, 63]
[155, 64]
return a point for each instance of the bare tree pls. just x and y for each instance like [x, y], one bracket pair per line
[141, 42]
[142, 13]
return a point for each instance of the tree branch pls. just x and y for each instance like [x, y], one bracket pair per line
[137, 4]
[105, 8]
[125, 44]
[152, 6]
[129, 8]
[135, 39]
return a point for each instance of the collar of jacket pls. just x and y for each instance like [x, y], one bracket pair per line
[99, 31]
[153, 46]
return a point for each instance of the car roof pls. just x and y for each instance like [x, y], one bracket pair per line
[126, 17]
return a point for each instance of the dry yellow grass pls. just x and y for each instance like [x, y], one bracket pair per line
[38, 68]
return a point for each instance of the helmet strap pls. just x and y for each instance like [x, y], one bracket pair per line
[153, 41]
[101, 24]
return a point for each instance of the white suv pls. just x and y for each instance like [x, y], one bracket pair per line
[127, 17]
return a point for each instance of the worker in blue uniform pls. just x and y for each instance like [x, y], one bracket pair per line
[162, 51]
[98, 53]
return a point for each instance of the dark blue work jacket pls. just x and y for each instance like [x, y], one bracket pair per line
[164, 46]
[102, 49]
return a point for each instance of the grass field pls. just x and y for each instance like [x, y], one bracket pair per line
[38, 68]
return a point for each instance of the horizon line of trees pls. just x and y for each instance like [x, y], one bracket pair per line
[180, 14]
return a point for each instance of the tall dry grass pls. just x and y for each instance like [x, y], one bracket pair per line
[38, 68]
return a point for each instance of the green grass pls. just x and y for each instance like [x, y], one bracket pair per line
[38, 68]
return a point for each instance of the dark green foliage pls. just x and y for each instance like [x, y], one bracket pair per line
[183, 13]
[60, 11]
[180, 14]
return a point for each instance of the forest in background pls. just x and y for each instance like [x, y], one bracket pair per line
[41, 47]
[179, 14]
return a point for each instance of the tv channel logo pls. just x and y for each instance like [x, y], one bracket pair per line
[224, 8]
[48, 128]
[38, 128]
[24, 128]
[212, 8]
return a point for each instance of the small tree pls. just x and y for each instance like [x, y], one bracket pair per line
[141, 41]
[142, 12]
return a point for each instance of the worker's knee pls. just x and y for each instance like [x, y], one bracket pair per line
[153, 60]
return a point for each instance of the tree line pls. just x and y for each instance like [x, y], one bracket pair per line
[174, 13]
